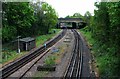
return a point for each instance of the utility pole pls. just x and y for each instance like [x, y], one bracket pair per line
[18, 50]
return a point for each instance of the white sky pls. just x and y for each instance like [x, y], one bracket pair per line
[69, 7]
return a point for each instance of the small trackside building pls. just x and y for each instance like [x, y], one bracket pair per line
[27, 43]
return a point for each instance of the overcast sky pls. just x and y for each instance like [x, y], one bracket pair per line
[69, 7]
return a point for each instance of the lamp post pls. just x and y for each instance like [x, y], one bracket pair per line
[18, 50]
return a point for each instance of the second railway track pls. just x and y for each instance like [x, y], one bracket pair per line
[75, 65]
[11, 68]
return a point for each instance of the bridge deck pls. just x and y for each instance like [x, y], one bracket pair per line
[77, 20]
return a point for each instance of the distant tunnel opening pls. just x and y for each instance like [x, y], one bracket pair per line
[74, 25]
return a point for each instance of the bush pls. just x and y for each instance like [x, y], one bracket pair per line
[50, 61]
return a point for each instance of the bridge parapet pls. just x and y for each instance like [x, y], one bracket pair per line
[76, 20]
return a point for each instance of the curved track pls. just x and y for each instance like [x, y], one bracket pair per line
[11, 68]
[75, 66]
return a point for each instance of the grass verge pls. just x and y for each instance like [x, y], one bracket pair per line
[9, 55]
[43, 38]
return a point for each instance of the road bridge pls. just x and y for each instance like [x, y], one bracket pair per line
[76, 22]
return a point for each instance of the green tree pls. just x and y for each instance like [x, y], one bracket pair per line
[26, 19]
[46, 17]
[77, 15]
[50, 16]
[105, 29]
[17, 17]
[87, 17]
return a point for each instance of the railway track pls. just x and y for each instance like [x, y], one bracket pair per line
[11, 68]
[75, 65]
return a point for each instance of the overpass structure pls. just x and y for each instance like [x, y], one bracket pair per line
[76, 22]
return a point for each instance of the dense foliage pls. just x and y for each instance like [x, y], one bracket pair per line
[26, 19]
[46, 18]
[16, 20]
[105, 29]
[75, 15]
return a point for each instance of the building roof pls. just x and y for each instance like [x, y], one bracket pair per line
[27, 39]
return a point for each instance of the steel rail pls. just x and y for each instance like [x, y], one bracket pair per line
[23, 74]
[68, 70]
[14, 66]
[75, 65]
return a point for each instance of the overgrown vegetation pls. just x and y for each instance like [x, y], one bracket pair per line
[43, 38]
[75, 15]
[53, 59]
[26, 19]
[9, 55]
[50, 61]
[104, 29]
[56, 57]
